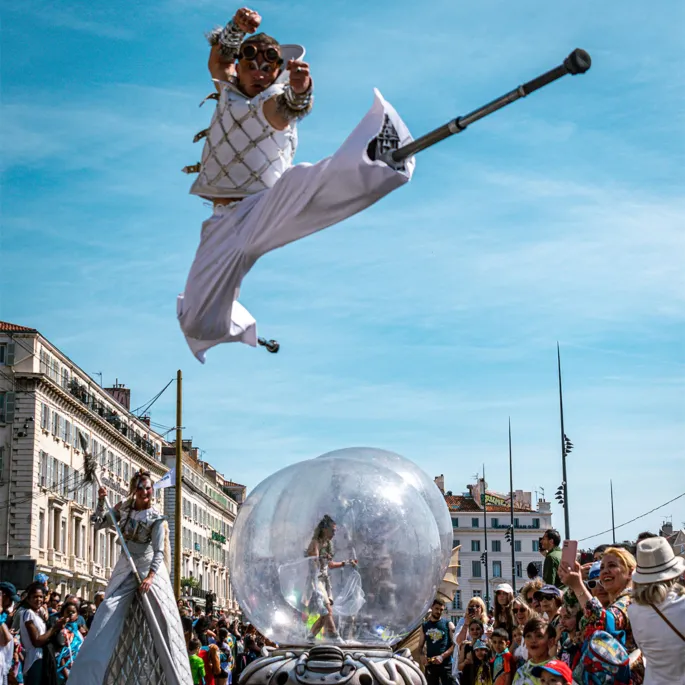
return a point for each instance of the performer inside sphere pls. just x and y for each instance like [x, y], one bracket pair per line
[146, 533]
[319, 590]
[261, 201]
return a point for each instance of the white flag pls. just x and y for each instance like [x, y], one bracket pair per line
[166, 481]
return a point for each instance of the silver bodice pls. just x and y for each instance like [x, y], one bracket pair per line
[243, 154]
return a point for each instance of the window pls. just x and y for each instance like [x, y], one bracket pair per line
[475, 569]
[74, 437]
[44, 416]
[65, 379]
[536, 523]
[496, 569]
[456, 602]
[475, 523]
[456, 543]
[517, 545]
[41, 528]
[475, 545]
[2, 462]
[496, 546]
[536, 546]
[126, 471]
[63, 540]
[56, 528]
[6, 407]
[519, 569]
[494, 523]
[455, 523]
[477, 593]
[63, 428]
[67, 432]
[459, 571]
[516, 523]
[7, 354]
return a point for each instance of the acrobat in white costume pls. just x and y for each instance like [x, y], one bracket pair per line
[261, 200]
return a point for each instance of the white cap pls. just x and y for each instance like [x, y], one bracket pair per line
[505, 587]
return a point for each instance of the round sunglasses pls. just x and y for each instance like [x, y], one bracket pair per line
[250, 51]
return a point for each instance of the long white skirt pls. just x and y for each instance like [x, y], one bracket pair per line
[306, 199]
[112, 651]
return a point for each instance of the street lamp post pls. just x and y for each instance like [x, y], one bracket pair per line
[484, 556]
[564, 451]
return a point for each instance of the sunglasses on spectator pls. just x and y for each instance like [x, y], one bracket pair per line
[592, 584]
[250, 52]
[520, 610]
[541, 597]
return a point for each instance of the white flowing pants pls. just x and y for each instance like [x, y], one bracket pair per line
[306, 199]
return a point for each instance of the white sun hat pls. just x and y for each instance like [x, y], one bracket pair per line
[505, 587]
[656, 562]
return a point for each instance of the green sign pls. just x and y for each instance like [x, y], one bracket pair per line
[218, 537]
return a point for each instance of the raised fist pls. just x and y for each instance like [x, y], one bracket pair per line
[247, 20]
[300, 79]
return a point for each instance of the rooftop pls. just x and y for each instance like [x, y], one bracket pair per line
[7, 327]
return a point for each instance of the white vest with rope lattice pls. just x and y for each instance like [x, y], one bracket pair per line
[243, 154]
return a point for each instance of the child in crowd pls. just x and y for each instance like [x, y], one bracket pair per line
[503, 665]
[481, 663]
[570, 642]
[197, 665]
[540, 639]
[70, 639]
[466, 663]
[517, 648]
[554, 673]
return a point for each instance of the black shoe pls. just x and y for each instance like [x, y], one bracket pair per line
[384, 143]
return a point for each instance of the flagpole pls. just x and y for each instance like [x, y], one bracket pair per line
[511, 503]
[178, 514]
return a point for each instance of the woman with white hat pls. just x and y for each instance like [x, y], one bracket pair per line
[504, 618]
[657, 612]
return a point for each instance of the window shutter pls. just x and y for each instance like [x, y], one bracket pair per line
[9, 360]
[10, 399]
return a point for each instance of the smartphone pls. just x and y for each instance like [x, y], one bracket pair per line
[569, 552]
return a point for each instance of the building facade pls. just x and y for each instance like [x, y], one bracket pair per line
[469, 520]
[48, 405]
[209, 507]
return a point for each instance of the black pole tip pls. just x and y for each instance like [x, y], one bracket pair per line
[578, 62]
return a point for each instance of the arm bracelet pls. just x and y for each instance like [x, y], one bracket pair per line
[294, 106]
[229, 39]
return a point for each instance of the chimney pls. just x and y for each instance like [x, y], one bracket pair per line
[440, 482]
[121, 394]
[666, 529]
[146, 420]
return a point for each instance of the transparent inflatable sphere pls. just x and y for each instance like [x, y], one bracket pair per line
[417, 478]
[335, 549]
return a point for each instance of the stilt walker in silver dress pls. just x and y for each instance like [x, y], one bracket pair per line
[261, 201]
[136, 636]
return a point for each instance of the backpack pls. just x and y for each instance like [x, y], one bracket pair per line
[604, 661]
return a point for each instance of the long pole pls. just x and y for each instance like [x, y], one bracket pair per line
[578, 62]
[485, 533]
[178, 507]
[563, 450]
[511, 504]
[613, 524]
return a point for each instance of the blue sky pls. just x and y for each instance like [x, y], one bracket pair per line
[421, 325]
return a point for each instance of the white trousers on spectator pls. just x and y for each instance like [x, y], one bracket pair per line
[306, 199]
